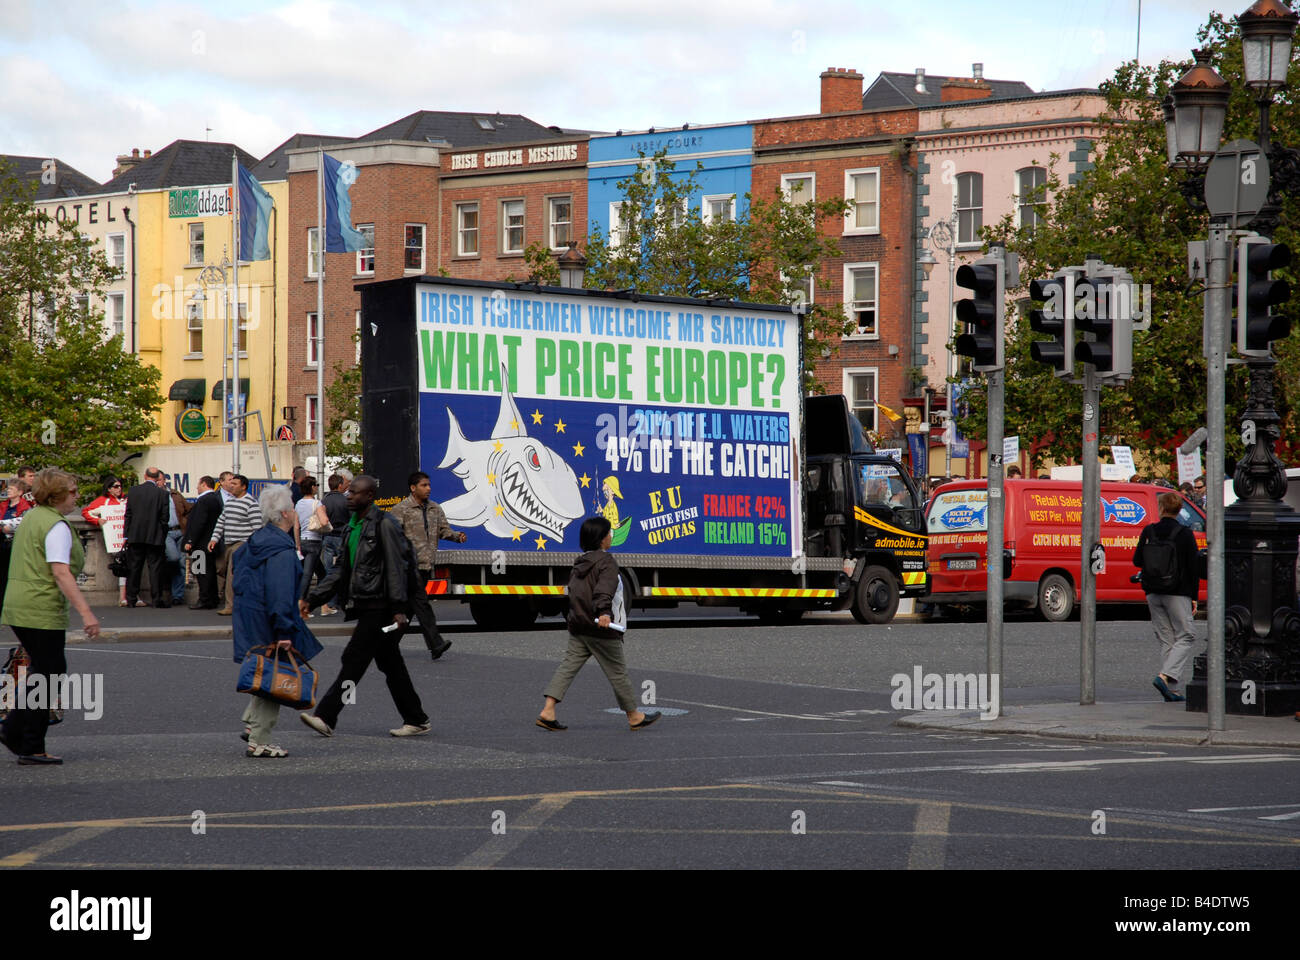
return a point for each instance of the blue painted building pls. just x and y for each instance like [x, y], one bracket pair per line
[725, 151]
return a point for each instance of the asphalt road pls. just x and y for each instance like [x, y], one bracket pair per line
[776, 750]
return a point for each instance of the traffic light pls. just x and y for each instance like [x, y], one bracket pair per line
[1055, 317]
[1103, 311]
[983, 313]
[1255, 326]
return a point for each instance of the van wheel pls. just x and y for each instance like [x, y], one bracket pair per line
[876, 599]
[1055, 598]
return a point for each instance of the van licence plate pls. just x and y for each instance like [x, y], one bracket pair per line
[962, 564]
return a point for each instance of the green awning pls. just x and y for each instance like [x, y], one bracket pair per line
[189, 391]
[219, 388]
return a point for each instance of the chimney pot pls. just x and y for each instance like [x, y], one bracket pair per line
[135, 151]
[920, 80]
[841, 90]
[977, 71]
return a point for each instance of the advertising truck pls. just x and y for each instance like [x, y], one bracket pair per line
[682, 421]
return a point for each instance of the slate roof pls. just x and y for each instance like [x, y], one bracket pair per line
[68, 181]
[182, 163]
[275, 165]
[464, 129]
[899, 90]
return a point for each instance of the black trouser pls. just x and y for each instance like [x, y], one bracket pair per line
[311, 564]
[24, 730]
[137, 555]
[424, 610]
[207, 580]
[369, 642]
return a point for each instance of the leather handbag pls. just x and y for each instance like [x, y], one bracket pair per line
[117, 565]
[317, 525]
[278, 675]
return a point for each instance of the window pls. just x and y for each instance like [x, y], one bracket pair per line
[414, 248]
[115, 245]
[799, 187]
[862, 190]
[243, 329]
[357, 338]
[313, 340]
[970, 207]
[559, 215]
[366, 255]
[196, 244]
[860, 297]
[83, 303]
[799, 287]
[721, 207]
[313, 252]
[117, 314]
[313, 411]
[194, 327]
[620, 223]
[467, 229]
[1031, 196]
[512, 226]
[860, 389]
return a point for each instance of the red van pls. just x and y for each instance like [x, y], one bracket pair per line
[1042, 527]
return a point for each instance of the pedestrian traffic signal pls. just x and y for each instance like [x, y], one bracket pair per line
[983, 313]
[1255, 326]
[1055, 317]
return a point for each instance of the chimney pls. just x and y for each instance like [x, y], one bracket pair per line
[955, 89]
[920, 80]
[125, 162]
[841, 90]
[977, 71]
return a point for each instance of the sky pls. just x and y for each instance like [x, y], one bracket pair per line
[87, 81]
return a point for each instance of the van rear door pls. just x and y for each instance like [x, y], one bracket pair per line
[957, 523]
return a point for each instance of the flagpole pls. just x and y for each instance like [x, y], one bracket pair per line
[320, 315]
[234, 245]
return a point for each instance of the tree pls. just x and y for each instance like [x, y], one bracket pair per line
[1131, 211]
[72, 397]
[343, 422]
[664, 246]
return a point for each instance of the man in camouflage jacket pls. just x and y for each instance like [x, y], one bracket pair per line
[425, 524]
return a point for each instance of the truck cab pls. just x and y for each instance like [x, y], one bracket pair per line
[864, 507]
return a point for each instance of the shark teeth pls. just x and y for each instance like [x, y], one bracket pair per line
[517, 495]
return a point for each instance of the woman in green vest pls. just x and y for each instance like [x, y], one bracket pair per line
[43, 569]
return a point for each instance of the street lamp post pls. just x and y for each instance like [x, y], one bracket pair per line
[1253, 624]
[943, 237]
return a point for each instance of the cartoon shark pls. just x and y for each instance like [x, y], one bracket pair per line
[532, 486]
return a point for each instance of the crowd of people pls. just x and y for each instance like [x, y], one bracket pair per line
[274, 560]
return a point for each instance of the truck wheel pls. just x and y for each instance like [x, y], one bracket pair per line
[1055, 598]
[876, 599]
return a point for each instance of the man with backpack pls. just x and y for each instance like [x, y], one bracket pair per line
[1166, 555]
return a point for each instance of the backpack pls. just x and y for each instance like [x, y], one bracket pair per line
[1160, 565]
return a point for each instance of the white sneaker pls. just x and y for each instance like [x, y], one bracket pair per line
[411, 729]
[317, 724]
[265, 750]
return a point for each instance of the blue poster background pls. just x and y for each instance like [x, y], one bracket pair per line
[522, 473]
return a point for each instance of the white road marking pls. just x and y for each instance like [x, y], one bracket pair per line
[1260, 806]
[768, 713]
[1284, 816]
[1054, 766]
[146, 653]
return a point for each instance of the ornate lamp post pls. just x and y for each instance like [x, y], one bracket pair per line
[1256, 618]
[943, 237]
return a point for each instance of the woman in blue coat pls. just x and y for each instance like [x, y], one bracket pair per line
[267, 575]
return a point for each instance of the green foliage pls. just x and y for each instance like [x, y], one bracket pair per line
[342, 408]
[543, 267]
[72, 397]
[1130, 211]
[665, 247]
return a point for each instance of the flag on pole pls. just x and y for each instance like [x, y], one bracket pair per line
[254, 218]
[340, 235]
[888, 412]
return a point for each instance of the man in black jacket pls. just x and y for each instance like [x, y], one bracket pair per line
[198, 531]
[146, 533]
[375, 567]
[1166, 555]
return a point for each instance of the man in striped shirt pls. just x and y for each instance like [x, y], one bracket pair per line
[240, 519]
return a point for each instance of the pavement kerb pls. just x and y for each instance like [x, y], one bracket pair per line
[1108, 731]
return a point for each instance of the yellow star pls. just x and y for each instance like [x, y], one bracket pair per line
[537, 416]
[491, 478]
[586, 480]
[541, 542]
[559, 426]
[514, 533]
[578, 448]
[496, 446]
[500, 510]
[514, 424]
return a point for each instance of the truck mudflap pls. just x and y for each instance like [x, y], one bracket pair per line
[914, 583]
